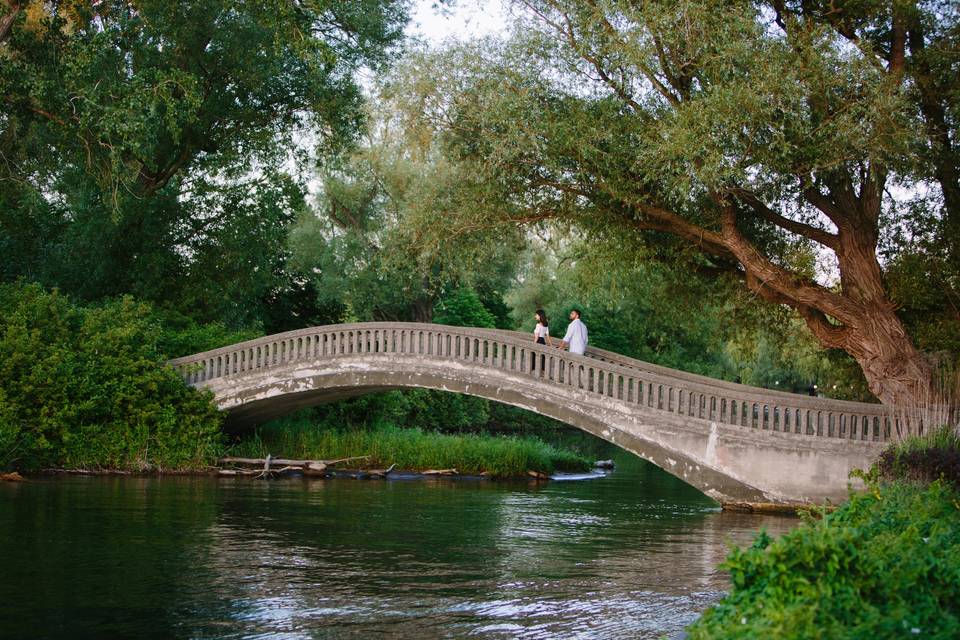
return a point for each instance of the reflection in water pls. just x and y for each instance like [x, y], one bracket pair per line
[631, 555]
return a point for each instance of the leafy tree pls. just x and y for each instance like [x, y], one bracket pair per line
[362, 244]
[142, 141]
[740, 138]
[463, 308]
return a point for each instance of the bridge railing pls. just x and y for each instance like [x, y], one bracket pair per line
[624, 380]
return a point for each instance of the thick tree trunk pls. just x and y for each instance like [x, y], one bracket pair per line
[895, 370]
[7, 19]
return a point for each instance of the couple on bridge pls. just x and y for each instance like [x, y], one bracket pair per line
[575, 339]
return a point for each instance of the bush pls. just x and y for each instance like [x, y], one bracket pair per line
[884, 565]
[87, 387]
[924, 459]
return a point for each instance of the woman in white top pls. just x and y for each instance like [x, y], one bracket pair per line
[541, 333]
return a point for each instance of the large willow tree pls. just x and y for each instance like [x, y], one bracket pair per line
[786, 143]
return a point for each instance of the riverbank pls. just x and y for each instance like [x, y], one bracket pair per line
[885, 564]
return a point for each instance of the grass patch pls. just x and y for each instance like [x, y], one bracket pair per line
[410, 449]
[884, 565]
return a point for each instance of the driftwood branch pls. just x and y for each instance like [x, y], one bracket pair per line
[285, 461]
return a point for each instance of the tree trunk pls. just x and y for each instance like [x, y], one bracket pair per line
[7, 20]
[895, 370]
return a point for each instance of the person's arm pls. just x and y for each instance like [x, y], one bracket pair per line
[565, 343]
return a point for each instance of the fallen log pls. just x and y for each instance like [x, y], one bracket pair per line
[13, 476]
[315, 469]
[440, 472]
[245, 473]
[381, 473]
[259, 462]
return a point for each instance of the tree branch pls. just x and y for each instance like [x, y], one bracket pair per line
[568, 32]
[794, 291]
[749, 198]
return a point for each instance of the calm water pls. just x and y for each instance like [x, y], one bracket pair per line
[632, 555]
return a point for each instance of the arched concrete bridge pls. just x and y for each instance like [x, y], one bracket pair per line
[737, 444]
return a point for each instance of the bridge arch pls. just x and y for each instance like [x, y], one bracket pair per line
[737, 444]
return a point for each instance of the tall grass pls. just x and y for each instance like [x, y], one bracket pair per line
[933, 408]
[410, 449]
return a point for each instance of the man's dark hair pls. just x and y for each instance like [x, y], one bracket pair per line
[576, 311]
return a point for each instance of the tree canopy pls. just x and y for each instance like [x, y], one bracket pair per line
[152, 147]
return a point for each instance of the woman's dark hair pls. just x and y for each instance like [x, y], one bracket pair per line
[543, 317]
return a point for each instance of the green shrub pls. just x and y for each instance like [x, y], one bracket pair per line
[923, 458]
[884, 565]
[87, 387]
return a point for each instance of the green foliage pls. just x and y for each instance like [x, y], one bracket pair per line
[463, 308]
[431, 410]
[181, 335]
[884, 565]
[143, 145]
[86, 387]
[410, 449]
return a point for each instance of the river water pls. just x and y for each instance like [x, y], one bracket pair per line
[630, 555]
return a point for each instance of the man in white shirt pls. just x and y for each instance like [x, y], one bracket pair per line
[576, 338]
